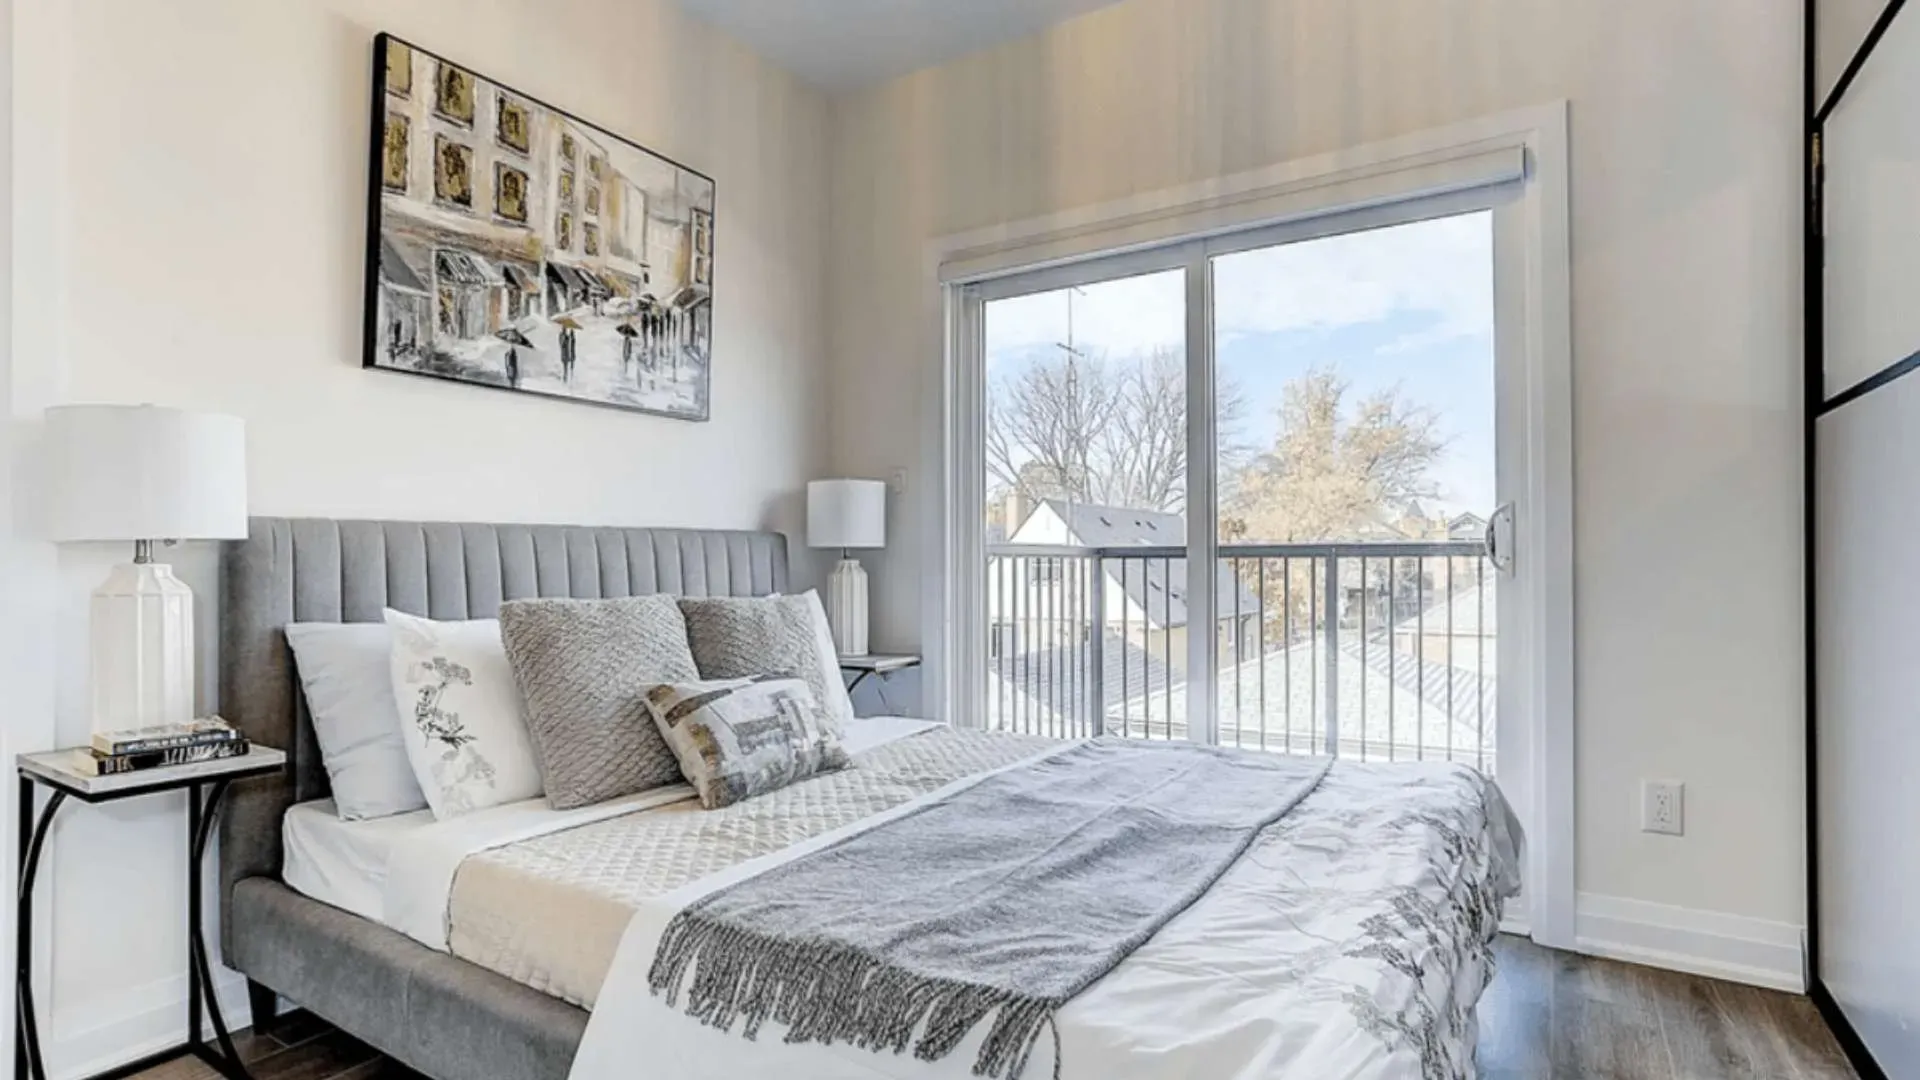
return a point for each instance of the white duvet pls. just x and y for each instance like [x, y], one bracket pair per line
[1350, 941]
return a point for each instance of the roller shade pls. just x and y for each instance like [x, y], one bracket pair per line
[1234, 206]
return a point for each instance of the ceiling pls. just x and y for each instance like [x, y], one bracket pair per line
[848, 44]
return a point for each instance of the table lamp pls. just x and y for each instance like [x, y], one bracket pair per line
[142, 473]
[847, 514]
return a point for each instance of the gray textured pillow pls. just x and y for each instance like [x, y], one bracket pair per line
[747, 637]
[584, 668]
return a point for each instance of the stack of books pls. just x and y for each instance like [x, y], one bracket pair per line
[115, 752]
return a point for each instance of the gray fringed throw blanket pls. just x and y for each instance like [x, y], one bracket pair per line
[1007, 897]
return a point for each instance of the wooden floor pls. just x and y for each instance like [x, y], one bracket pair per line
[1554, 1014]
[1548, 1016]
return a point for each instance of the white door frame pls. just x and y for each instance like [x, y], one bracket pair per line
[1524, 151]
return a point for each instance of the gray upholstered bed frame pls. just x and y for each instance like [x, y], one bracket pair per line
[434, 1012]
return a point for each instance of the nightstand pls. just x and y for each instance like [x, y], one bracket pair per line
[879, 664]
[205, 783]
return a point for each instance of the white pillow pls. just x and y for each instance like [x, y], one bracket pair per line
[461, 716]
[344, 668]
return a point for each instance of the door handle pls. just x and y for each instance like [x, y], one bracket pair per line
[1500, 553]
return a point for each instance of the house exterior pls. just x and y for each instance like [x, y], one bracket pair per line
[1044, 601]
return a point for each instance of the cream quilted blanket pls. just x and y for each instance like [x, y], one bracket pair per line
[549, 912]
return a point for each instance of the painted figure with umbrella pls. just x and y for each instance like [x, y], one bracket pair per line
[650, 327]
[627, 333]
[569, 345]
[514, 339]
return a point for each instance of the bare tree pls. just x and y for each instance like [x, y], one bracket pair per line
[1044, 423]
[1335, 475]
[1332, 474]
[1097, 431]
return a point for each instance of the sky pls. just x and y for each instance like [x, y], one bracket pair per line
[1409, 305]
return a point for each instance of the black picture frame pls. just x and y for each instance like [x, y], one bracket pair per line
[663, 326]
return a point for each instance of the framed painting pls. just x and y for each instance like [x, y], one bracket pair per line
[511, 244]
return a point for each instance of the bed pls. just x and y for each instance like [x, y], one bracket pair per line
[1351, 937]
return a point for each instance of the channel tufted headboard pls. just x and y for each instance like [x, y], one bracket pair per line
[318, 570]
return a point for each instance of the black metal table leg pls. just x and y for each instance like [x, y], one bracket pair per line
[27, 1064]
[858, 678]
[200, 989]
[202, 1004]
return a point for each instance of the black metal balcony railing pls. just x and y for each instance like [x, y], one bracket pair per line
[1366, 650]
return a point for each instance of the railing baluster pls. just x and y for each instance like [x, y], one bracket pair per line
[1065, 646]
[1069, 628]
[999, 645]
[1236, 652]
[1315, 593]
[1126, 602]
[1056, 599]
[1022, 608]
[1166, 639]
[1480, 662]
[1260, 651]
[1286, 644]
[1420, 658]
[1083, 636]
[1364, 605]
[1330, 644]
[1049, 606]
[1393, 657]
[1016, 670]
[1166, 648]
[1097, 639]
[1450, 668]
[1085, 632]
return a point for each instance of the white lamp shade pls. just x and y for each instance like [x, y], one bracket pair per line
[847, 514]
[142, 472]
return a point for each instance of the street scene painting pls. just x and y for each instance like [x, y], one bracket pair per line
[512, 245]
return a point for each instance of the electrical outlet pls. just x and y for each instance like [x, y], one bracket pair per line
[897, 482]
[1663, 807]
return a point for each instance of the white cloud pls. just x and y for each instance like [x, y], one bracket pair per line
[1440, 268]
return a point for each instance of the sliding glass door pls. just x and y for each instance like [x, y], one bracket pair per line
[1246, 490]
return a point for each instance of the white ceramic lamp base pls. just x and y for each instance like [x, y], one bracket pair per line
[847, 608]
[142, 629]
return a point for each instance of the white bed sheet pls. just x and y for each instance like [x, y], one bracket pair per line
[346, 863]
[343, 863]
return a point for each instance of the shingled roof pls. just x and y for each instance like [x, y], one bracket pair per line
[1157, 586]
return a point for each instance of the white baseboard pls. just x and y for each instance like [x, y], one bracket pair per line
[132, 1024]
[1736, 948]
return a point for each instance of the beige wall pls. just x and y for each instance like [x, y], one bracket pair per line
[191, 192]
[1686, 334]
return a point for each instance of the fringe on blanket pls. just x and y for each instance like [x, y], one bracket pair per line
[831, 993]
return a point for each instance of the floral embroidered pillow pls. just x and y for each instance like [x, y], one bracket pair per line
[461, 716]
[744, 737]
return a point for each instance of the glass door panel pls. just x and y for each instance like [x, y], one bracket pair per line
[1085, 461]
[1354, 413]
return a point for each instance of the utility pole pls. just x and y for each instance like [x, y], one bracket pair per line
[1074, 355]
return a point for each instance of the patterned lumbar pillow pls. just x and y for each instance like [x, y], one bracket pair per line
[744, 737]
[584, 667]
[743, 638]
[460, 714]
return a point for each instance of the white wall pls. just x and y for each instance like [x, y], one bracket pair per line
[190, 207]
[1685, 131]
